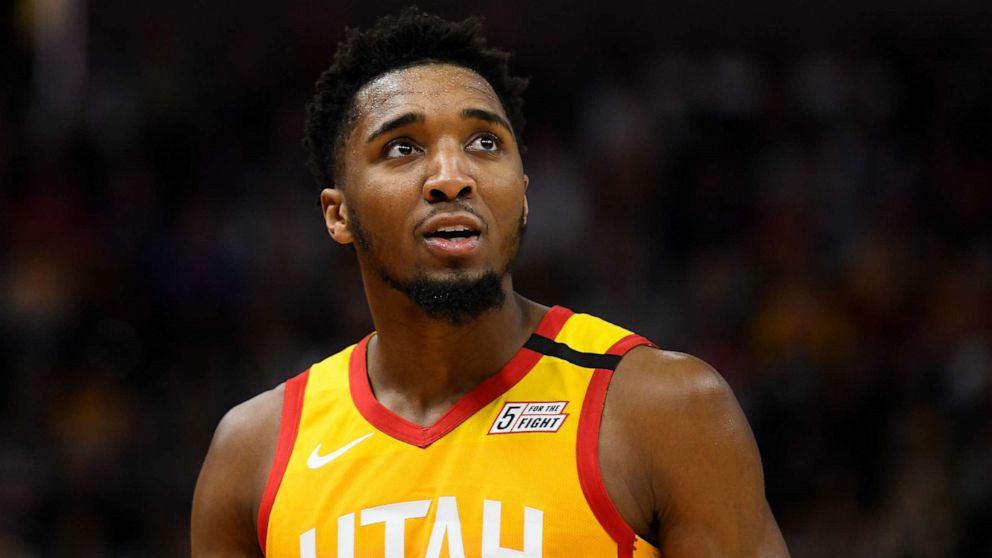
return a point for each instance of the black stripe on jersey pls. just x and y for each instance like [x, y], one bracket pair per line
[553, 348]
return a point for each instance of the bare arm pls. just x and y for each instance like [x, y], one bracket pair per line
[692, 477]
[229, 489]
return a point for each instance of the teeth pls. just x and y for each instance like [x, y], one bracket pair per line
[454, 228]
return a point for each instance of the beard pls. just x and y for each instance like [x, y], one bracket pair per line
[458, 298]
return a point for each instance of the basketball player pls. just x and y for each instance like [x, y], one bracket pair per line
[473, 422]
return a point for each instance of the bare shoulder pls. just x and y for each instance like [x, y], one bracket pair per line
[676, 434]
[653, 383]
[244, 429]
[670, 370]
[233, 476]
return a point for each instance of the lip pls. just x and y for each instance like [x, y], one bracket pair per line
[451, 247]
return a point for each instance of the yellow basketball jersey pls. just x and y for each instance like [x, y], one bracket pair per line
[511, 470]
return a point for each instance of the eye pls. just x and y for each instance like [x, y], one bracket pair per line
[400, 148]
[485, 142]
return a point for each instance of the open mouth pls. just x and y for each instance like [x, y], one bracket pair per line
[453, 239]
[454, 233]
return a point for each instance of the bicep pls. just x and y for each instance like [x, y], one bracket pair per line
[700, 459]
[222, 524]
[722, 520]
[714, 493]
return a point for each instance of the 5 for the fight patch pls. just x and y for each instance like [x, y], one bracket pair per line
[529, 416]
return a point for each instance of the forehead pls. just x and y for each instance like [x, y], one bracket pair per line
[427, 89]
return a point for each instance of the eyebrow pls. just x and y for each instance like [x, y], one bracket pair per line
[488, 116]
[417, 117]
[398, 122]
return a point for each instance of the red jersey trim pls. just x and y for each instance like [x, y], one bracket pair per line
[587, 453]
[483, 394]
[621, 347]
[289, 426]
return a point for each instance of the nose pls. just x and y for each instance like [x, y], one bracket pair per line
[449, 177]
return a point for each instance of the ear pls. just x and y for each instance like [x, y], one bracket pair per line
[332, 204]
[526, 208]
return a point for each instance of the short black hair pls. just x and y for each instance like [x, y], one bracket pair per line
[409, 38]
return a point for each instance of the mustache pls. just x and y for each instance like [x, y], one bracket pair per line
[451, 207]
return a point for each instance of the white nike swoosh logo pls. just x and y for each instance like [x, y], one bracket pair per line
[316, 461]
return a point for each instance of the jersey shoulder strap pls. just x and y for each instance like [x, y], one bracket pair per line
[606, 344]
[289, 424]
[322, 375]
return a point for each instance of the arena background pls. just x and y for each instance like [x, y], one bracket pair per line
[800, 193]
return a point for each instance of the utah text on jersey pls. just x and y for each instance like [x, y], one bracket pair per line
[445, 531]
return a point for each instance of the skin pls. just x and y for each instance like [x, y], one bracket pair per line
[677, 455]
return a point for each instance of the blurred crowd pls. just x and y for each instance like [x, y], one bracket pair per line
[813, 220]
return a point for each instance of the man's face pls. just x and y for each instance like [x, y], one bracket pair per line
[433, 186]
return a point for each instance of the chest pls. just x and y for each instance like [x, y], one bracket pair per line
[511, 470]
[506, 477]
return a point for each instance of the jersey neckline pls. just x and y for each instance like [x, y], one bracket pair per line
[483, 394]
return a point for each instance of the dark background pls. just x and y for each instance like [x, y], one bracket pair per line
[799, 193]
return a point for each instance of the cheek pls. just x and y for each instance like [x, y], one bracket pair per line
[385, 206]
[508, 201]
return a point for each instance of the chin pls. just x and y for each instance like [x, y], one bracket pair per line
[456, 296]
[453, 274]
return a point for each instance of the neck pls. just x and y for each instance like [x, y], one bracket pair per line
[419, 366]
